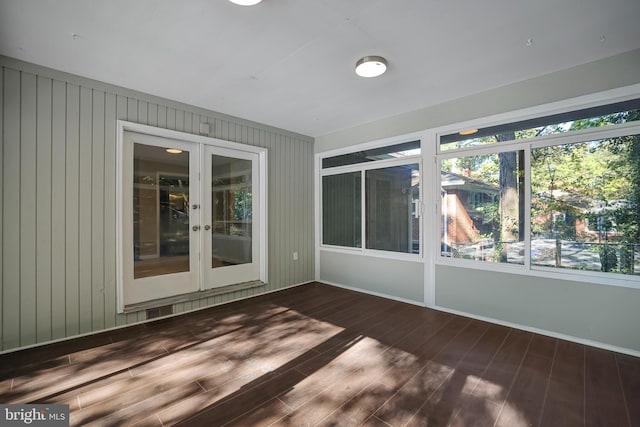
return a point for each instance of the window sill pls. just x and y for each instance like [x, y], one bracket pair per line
[589, 277]
[373, 253]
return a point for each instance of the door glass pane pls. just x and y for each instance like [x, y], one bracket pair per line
[231, 211]
[392, 199]
[160, 211]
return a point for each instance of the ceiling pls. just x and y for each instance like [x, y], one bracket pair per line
[290, 63]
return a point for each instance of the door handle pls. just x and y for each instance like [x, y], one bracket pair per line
[207, 227]
[195, 228]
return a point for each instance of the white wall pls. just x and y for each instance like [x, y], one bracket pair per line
[604, 314]
[393, 278]
[600, 313]
[609, 73]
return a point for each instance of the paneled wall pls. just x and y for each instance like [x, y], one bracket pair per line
[58, 193]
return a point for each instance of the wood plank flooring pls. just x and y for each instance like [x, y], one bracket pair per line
[317, 355]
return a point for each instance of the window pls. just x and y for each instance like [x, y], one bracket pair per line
[594, 182]
[373, 193]
[392, 208]
[558, 192]
[481, 211]
[373, 154]
[341, 213]
[594, 117]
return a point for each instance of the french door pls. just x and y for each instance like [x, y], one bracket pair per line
[189, 217]
[230, 203]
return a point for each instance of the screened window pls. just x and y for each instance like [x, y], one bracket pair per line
[371, 199]
[341, 210]
[392, 216]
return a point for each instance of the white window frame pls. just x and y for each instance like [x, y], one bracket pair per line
[320, 172]
[630, 128]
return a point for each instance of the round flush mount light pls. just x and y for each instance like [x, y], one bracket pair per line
[371, 66]
[246, 2]
[174, 150]
[468, 132]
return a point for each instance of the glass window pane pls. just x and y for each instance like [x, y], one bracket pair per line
[341, 210]
[160, 211]
[482, 212]
[231, 211]
[389, 152]
[584, 205]
[604, 115]
[392, 203]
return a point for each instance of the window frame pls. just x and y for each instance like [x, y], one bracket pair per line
[528, 144]
[362, 168]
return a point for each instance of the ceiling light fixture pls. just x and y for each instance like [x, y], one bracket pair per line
[246, 2]
[174, 150]
[468, 132]
[371, 66]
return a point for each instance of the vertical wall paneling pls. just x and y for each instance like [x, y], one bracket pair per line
[132, 109]
[11, 210]
[299, 195]
[188, 118]
[43, 209]
[180, 120]
[2, 191]
[58, 209]
[109, 255]
[85, 209]
[279, 197]
[58, 191]
[195, 123]
[171, 118]
[72, 209]
[152, 114]
[143, 115]
[162, 116]
[27, 190]
[97, 211]
[286, 193]
[224, 130]
[307, 163]
[286, 262]
[273, 198]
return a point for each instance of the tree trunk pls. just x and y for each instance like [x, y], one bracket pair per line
[509, 200]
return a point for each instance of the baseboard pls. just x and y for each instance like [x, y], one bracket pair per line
[551, 334]
[114, 328]
[377, 294]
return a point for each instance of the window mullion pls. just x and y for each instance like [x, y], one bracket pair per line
[363, 212]
[527, 207]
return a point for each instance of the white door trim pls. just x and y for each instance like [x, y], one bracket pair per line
[261, 222]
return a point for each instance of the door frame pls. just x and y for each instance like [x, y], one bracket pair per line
[225, 276]
[262, 235]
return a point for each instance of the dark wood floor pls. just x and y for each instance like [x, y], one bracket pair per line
[320, 355]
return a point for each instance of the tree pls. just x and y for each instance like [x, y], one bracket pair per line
[510, 212]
